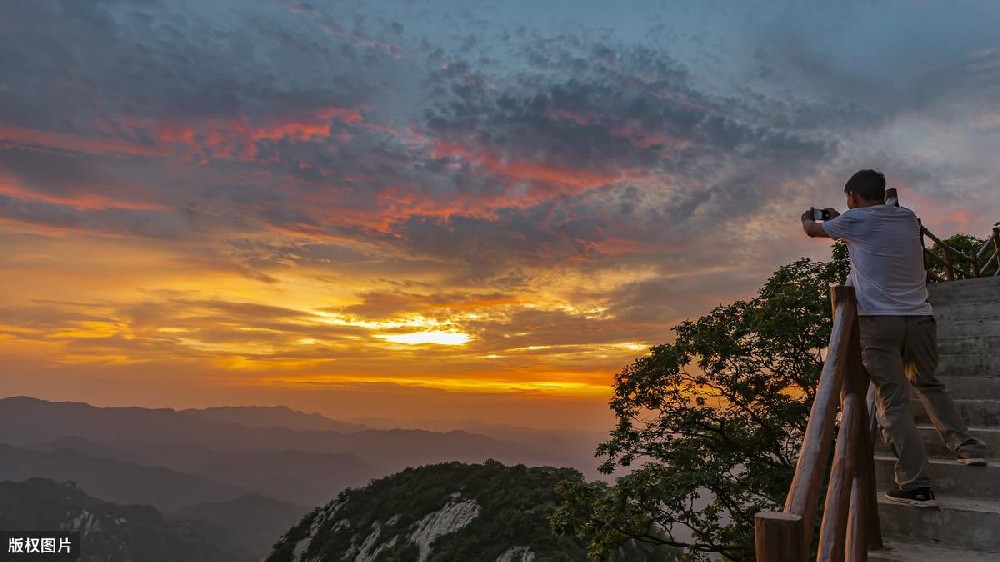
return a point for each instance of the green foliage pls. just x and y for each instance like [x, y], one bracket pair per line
[713, 422]
[515, 504]
[966, 244]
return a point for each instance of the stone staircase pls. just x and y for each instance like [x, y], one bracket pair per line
[966, 526]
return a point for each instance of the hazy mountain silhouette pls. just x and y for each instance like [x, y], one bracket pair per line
[113, 480]
[90, 448]
[272, 416]
[255, 521]
[209, 463]
[259, 459]
[555, 447]
[307, 479]
[164, 435]
[114, 532]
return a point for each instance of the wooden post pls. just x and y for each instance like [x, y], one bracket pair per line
[803, 494]
[855, 543]
[778, 537]
[996, 246]
[838, 493]
[868, 501]
[873, 425]
[864, 531]
[924, 250]
[949, 271]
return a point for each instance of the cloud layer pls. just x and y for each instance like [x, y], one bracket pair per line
[280, 192]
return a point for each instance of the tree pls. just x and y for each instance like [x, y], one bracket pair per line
[713, 421]
[968, 245]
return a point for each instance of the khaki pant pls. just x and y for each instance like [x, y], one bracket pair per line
[897, 349]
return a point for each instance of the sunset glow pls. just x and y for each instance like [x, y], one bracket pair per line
[441, 209]
[441, 338]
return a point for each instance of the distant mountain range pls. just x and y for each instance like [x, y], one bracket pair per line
[205, 463]
[273, 416]
[190, 439]
[255, 522]
[291, 475]
[115, 481]
[145, 432]
[111, 532]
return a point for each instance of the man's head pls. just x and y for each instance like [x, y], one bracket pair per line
[865, 188]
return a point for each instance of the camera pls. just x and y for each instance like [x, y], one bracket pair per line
[820, 214]
[891, 197]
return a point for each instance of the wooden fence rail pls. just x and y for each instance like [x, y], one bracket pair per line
[958, 264]
[850, 525]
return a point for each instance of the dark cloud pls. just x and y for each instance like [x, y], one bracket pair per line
[583, 110]
[410, 152]
[126, 222]
[56, 172]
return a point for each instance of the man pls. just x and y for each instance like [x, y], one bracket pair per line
[898, 331]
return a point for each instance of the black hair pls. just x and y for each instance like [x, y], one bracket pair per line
[869, 184]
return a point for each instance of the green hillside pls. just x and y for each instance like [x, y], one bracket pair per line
[444, 512]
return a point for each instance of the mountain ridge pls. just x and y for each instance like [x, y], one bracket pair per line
[110, 531]
[446, 511]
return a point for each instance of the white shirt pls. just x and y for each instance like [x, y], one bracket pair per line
[887, 261]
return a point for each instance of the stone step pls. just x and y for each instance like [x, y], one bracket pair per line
[968, 327]
[950, 479]
[971, 387]
[975, 413]
[979, 363]
[902, 550]
[964, 312]
[936, 448]
[958, 523]
[984, 291]
[982, 345]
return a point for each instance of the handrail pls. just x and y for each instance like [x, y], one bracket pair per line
[977, 266]
[850, 525]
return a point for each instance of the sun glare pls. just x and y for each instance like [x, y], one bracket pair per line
[440, 338]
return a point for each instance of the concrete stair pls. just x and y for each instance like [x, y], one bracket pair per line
[937, 449]
[977, 412]
[950, 477]
[905, 551]
[966, 526]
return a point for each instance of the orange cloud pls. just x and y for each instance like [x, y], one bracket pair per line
[626, 246]
[236, 137]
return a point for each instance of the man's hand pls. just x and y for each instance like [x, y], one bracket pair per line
[813, 228]
[807, 216]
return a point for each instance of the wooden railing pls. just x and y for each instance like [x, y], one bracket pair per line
[850, 525]
[960, 265]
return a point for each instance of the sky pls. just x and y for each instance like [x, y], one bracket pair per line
[448, 209]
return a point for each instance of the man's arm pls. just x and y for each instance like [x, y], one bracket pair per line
[813, 228]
